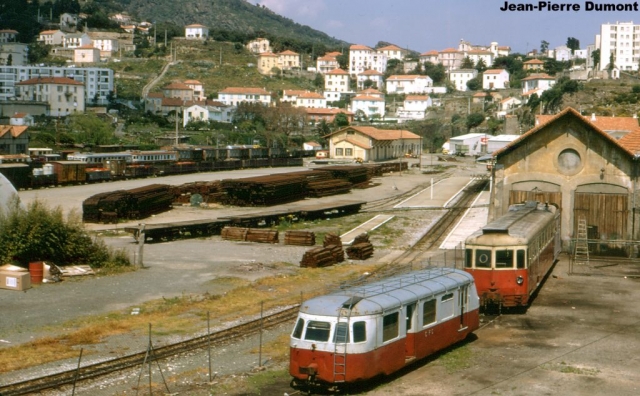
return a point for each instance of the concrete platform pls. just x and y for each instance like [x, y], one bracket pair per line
[474, 218]
[369, 225]
[439, 195]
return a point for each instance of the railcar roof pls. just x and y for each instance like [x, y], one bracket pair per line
[384, 295]
[521, 221]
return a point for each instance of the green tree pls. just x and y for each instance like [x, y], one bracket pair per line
[91, 130]
[475, 83]
[481, 66]
[544, 47]
[595, 56]
[436, 72]
[341, 120]
[38, 52]
[467, 63]
[473, 120]
[343, 61]
[573, 44]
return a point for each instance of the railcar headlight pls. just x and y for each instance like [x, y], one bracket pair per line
[519, 280]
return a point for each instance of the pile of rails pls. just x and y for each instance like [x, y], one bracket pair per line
[361, 248]
[264, 190]
[329, 254]
[353, 174]
[133, 204]
[210, 191]
[250, 235]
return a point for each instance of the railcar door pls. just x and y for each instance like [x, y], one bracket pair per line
[410, 339]
[463, 298]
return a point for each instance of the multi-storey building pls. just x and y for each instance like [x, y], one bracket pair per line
[98, 82]
[362, 58]
[459, 78]
[63, 95]
[327, 62]
[236, 95]
[619, 42]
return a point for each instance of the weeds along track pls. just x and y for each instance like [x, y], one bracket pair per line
[96, 370]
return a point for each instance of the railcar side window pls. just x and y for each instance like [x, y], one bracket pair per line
[317, 331]
[390, 327]
[428, 312]
[504, 259]
[342, 333]
[483, 258]
[297, 331]
[520, 258]
[467, 258]
[446, 306]
[359, 332]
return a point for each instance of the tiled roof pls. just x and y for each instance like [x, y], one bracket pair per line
[337, 71]
[48, 31]
[287, 52]
[390, 48]
[368, 98]
[607, 124]
[449, 50]
[417, 97]
[428, 53]
[631, 141]
[334, 53]
[311, 95]
[293, 92]
[173, 102]
[245, 90]
[328, 58]
[534, 61]
[196, 25]
[548, 120]
[359, 47]
[371, 72]
[14, 130]
[194, 82]
[383, 134]
[406, 77]
[538, 76]
[325, 111]
[50, 80]
[494, 71]
[355, 143]
[155, 95]
[9, 31]
[267, 53]
[19, 115]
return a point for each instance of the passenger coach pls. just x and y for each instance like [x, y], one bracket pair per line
[359, 333]
[510, 256]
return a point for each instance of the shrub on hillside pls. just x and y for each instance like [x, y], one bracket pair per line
[39, 233]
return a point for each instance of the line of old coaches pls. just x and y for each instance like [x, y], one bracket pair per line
[359, 333]
[44, 168]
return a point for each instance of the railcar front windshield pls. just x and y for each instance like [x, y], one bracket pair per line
[495, 258]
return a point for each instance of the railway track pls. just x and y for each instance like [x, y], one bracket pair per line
[401, 264]
[96, 370]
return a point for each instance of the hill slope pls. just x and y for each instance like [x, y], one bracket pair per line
[233, 15]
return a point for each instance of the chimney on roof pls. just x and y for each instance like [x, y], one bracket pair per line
[593, 116]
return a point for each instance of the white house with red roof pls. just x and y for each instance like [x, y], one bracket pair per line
[374, 76]
[178, 90]
[539, 82]
[430, 56]
[236, 95]
[327, 62]
[291, 95]
[477, 55]
[20, 119]
[336, 83]
[63, 95]
[311, 99]
[414, 107]
[393, 52]
[495, 79]
[196, 32]
[51, 37]
[533, 65]
[8, 35]
[450, 58]
[409, 84]
[75, 40]
[460, 77]
[288, 60]
[198, 89]
[362, 58]
[259, 45]
[369, 106]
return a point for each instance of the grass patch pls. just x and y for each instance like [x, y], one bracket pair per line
[276, 351]
[457, 359]
[183, 314]
[565, 368]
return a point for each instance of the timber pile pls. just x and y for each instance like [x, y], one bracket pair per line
[211, 191]
[360, 251]
[249, 235]
[264, 190]
[362, 238]
[127, 204]
[262, 235]
[388, 167]
[352, 174]
[317, 257]
[336, 252]
[373, 169]
[234, 233]
[332, 239]
[300, 238]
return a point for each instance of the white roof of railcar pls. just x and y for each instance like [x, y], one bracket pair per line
[387, 294]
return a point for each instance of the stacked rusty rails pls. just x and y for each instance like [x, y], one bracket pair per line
[374, 170]
[210, 191]
[137, 203]
[353, 174]
[234, 233]
[317, 257]
[264, 190]
[250, 235]
[325, 188]
[360, 251]
[332, 239]
[336, 252]
[299, 238]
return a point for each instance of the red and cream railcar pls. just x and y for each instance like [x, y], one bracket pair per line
[510, 256]
[362, 332]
